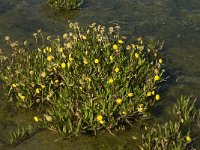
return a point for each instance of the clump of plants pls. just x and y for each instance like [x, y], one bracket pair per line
[88, 79]
[65, 4]
[174, 134]
[20, 134]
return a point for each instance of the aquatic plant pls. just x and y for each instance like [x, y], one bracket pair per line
[166, 137]
[20, 134]
[65, 4]
[185, 110]
[87, 80]
[174, 134]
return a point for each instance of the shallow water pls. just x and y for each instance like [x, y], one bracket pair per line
[177, 22]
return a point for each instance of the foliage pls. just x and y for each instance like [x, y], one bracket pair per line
[174, 135]
[87, 80]
[166, 137]
[20, 134]
[65, 4]
[185, 110]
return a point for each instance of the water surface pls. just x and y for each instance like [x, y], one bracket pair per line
[177, 22]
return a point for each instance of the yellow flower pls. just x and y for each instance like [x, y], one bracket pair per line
[22, 97]
[49, 49]
[50, 58]
[120, 41]
[160, 61]
[111, 58]
[148, 93]
[37, 91]
[140, 108]
[44, 51]
[157, 97]
[84, 37]
[119, 101]
[43, 74]
[99, 118]
[156, 78]
[101, 122]
[96, 61]
[85, 61]
[116, 70]
[110, 81]
[115, 47]
[153, 92]
[130, 94]
[14, 85]
[56, 81]
[188, 138]
[63, 65]
[61, 49]
[124, 113]
[43, 86]
[36, 119]
[136, 55]
[89, 79]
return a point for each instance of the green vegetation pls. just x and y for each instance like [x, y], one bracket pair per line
[176, 134]
[65, 4]
[20, 134]
[87, 80]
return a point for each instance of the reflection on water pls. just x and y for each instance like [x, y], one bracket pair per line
[177, 22]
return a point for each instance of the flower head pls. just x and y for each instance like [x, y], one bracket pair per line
[120, 41]
[85, 61]
[153, 92]
[188, 138]
[61, 49]
[99, 118]
[157, 97]
[136, 55]
[130, 94]
[50, 58]
[84, 37]
[43, 74]
[115, 47]
[156, 78]
[160, 61]
[14, 85]
[119, 101]
[37, 91]
[36, 119]
[63, 65]
[96, 61]
[111, 58]
[140, 108]
[116, 70]
[148, 93]
[110, 81]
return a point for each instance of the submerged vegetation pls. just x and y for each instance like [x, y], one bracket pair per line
[87, 80]
[65, 4]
